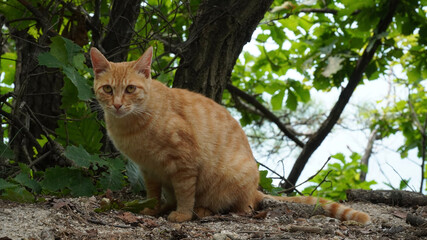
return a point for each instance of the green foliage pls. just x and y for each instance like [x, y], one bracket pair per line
[68, 180]
[22, 187]
[339, 177]
[68, 56]
[90, 175]
[266, 183]
[6, 152]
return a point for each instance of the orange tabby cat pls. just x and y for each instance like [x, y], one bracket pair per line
[189, 148]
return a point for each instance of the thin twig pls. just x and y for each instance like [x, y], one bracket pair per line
[267, 113]
[401, 178]
[280, 176]
[323, 180]
[308, 179]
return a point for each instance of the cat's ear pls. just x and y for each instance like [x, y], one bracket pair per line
[99, 62]
[143, 64]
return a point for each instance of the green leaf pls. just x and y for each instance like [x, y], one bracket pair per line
[6, 152]
[18, 194]
[300, 91]
[403, 184]
[48, 60]
[83, 132]
[291, 101]
[82, 186]
[278, 34]
[264, 181]
[372, 71]
[5, 184]
[113, 179]
[69, 94]
[262, 37]
[58, 50]
[74, 54]
[26, 181]
[277, 100]
[83, 88]
[59, 178]
[414, 75]
[339, 156]
[79, 156]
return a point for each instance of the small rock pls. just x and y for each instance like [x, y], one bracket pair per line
[47, 234]
[225, 235]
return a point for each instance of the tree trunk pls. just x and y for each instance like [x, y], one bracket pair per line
[35, 87]
[216, 39]
[123, 17]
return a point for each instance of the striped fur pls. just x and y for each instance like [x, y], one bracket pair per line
[189, 148]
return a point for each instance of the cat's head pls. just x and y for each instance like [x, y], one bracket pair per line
[122, 88]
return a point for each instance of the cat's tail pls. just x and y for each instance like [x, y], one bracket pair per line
[331, 208]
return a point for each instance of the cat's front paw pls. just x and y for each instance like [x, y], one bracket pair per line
[176, 216]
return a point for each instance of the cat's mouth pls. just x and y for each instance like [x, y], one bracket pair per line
[119, 113]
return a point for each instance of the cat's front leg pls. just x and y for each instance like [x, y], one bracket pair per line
[154, 190]
[184, 186]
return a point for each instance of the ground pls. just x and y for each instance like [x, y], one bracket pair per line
[75, 218]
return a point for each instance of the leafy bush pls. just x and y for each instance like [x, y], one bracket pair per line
[90, 175]
[338, 177]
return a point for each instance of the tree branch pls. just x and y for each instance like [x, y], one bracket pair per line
[19, 125]
[267, 113]
[314, 142]
[368, 151]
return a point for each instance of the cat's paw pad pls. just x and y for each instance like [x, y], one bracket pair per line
[150, 211]
[202, 212]
[176, 216]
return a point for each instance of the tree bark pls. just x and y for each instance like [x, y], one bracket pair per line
[35, 87]
[216, 38]
[120, 31]
[314, 142]
[368, 153]
[390, 197]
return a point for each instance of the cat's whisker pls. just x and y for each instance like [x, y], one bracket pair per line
[142, 113]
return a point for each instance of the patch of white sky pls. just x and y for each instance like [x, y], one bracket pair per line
[385, 165]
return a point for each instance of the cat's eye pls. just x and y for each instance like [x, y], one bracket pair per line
[130, 89]
[107, 89]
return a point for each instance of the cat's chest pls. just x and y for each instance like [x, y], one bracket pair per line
[135, 145]
[144, 150]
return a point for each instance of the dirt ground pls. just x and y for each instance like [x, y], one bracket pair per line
[75, 218]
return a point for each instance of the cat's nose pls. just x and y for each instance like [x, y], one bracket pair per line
[117, 106]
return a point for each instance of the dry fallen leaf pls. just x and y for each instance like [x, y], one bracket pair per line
[128, 217]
